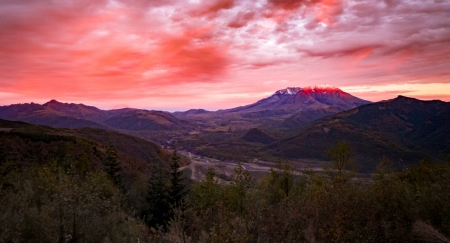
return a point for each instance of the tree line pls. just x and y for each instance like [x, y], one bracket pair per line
[333, 205]
[65, 200]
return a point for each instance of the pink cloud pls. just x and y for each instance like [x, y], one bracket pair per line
[327, 11]
[291, 4]
[210, 8]
[101, 50]
[92, 56]
[241, 19]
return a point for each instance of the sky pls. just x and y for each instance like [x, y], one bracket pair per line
[215, 54]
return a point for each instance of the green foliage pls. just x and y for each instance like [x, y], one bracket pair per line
[44, 137]
[384, 169]
[281, 180]
[177, 190]
[158, 203]
[206, 194]
[55, 190]
[428, 185]
[31, 145]
[166, 191]
[240, 185]
[408, 206]
[51, 204]
[112, 166]
[340, 153]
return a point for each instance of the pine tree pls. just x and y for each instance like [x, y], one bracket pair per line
[166, 191]
[112, 166]
[158, 203]
[241, 183]
[177, 189]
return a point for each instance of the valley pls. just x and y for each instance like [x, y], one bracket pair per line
[199, 165]
[295, 124]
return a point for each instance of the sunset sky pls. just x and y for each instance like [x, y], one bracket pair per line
[214, 54]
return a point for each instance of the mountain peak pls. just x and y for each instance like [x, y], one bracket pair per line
[52, 102]
[288, 91]
[325, 88]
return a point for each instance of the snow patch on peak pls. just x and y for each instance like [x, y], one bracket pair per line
[321, 86]
[324, 88]
[288, 91]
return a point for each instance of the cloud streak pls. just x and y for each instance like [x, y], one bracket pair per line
[120, 51]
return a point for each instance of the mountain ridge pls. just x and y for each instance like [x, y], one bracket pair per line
[71, 115]
[301, 105]
[402, 129]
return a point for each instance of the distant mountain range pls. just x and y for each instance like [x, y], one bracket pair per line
[293, 123]
[403, 129]
[288, 107]
[297, 105]
[64, 115]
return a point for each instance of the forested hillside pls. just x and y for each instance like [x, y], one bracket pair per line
[407, 206]
[57, 186]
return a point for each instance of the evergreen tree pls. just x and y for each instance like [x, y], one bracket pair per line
[112, 166]
[158, 201]
[177, 189]
[285, 177]
[241, 183]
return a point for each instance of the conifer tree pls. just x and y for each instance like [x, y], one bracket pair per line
[241, 183]
[177, 190]
[112, 166]
[158, 203]
[284, 177]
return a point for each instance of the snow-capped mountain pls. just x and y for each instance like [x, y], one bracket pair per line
[300, 105]
[328, 95]
[288, 91]
[295, 99]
